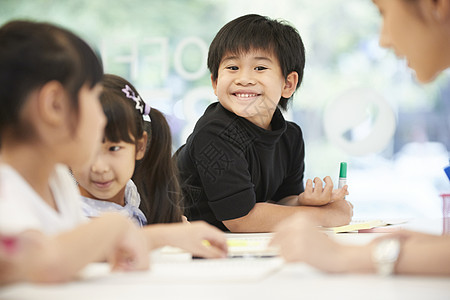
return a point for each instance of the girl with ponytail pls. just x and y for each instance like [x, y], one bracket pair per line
[146, 191]
[134, 173]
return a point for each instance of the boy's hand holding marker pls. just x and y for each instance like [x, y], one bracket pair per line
[332, 201]
[318, 195]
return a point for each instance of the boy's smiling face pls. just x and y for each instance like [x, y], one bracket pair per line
[250, 84]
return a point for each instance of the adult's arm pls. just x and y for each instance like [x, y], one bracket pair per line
[419, 254]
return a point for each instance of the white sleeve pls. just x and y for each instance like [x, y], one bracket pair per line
[15, 216]
[68, 196]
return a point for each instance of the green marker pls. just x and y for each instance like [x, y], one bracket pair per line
[342, 175]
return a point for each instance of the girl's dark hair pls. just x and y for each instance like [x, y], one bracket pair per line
[255, 32]
[32, 54]
[155, 175]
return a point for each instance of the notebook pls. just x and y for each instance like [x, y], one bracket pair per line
[367, 226]
[250, 258]
[242, 245]
[251, 245]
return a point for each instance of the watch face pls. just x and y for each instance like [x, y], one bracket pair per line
[387, 250]
[385, 255]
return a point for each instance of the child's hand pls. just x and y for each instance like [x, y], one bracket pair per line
[131, 252]
[318, 194]
[23, 256]
[337, 213]
[15, 254]
[199, 238]
[339, 194]
[299, 240]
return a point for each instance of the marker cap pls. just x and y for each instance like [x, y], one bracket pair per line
[447, 171]
[343, 170]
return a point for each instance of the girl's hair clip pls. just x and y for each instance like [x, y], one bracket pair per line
[141, 106]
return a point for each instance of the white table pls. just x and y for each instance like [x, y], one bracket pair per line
[285, 281]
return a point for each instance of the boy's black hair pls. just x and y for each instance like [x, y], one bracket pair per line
[34, 53]
[255, 32]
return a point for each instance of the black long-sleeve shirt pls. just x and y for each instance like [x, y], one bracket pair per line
[228, 164]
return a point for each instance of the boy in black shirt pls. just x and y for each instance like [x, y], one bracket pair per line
[242, 167]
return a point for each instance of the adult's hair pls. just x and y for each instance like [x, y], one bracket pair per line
[31, 55]
[155, 175]
[255, 32]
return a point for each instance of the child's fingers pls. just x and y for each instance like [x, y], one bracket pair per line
[278, 239]
[318, 187]
[121, 260]
[328, 189]
[309, 186]
[130, 261]
[217, 239]
[213, 235]
[219, 242]
[340, 193]
[212, 242]
[114, 262]
[208, 249]
[141, 261]
[210, 252]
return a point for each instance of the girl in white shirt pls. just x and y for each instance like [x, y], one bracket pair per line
[50, 116]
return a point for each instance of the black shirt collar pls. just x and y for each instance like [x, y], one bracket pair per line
[266, 137]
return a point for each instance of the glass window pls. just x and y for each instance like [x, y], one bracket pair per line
[357, 103]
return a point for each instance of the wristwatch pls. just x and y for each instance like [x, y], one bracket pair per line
[385, 255]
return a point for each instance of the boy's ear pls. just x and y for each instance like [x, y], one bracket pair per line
[53, 104]
[141, 146]
[214, 84]
[290, 84]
